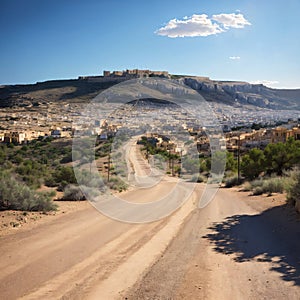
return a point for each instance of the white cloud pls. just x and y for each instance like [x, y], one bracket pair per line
[269, 83]
[202, 25]
[234, 57]
[231, 20]
[196, 25]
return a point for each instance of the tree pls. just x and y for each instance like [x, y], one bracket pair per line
[218, 162]
[282, 156]
[191, 165]
[231, 163]
[65, 174]
[253, 164]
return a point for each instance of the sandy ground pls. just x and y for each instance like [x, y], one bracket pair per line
[238, 247]
[13, 221]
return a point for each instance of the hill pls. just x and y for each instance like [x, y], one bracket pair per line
[84, 89]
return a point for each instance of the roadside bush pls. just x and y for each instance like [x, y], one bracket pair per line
[32, 173]
[198, 178]
[274, 185]
[117, 184]
[65, 173]
[232, 181]
[293, 187]
[247, 187]
[50, 182]
[89, 179]
[73, 192]
[269, 185]
[258, 191]
[18, 196]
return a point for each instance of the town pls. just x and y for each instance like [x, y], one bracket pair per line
[241, 127]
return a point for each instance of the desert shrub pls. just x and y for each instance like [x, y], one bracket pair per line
[66, 174]
[191, 165]
[256, 183]
[117, 184]
[293, 187]
[61, 186]
[247, 186]
[89, 179]
[32, 173]
[49, 181]
[18, 196]
[73, 192]
[232, 181]
[258, 191]
[273, 185]
[33, 181]
[269, 185]
[67, 158]
[198, 178]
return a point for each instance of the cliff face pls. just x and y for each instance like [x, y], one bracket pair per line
[243, 93]
[80, 90]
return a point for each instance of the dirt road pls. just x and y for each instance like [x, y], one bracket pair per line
[85, 254]
[71, 256]
[234, 248]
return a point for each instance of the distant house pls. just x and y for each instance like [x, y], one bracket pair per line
[103, 136]
[56, 133]
[14, 137]
[282, 134]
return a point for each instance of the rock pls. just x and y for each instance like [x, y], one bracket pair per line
[246, 93]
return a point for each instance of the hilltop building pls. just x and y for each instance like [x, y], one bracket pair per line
[136, 73]
[120, 76]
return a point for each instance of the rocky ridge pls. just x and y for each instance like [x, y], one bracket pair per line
[79, 90]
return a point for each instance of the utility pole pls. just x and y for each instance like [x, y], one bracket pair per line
[172, 166]
[239, 160]
[147, 153]
[108, 164]
[169, 158]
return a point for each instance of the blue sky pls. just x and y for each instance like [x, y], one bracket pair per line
[247, 40]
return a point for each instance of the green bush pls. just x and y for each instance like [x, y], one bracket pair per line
[274, 185]
[232, 181]
[64, 174]
[18, 196]
[258, 191]
[73, 192]
[67, 158]
[198, 178]
[269, 185]
[293, 187]
[117, 184]
[247, 187]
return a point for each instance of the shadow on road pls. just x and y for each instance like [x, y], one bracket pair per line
[271, 236]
